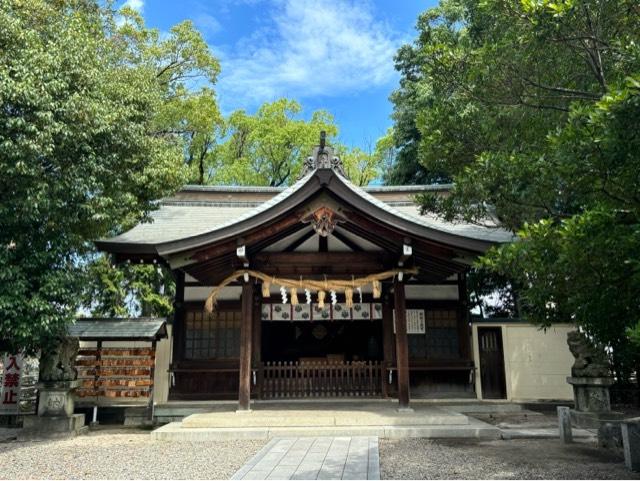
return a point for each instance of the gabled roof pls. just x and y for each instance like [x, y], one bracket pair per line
[182, 225]
[114, 329]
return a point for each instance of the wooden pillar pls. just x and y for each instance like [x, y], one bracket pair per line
[177, 327]
[387, 339]
[464, 333]
[256, 348]
[402, 348]
[246, 328]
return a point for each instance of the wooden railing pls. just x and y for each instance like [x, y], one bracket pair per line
[321, 379]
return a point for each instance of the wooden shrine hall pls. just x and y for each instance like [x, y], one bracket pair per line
[321, 289]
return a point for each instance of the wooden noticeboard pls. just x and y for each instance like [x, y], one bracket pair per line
[416, 321]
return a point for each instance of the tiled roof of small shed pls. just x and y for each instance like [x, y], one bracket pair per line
[141, 328]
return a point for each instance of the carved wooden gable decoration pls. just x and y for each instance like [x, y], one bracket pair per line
[323, 220]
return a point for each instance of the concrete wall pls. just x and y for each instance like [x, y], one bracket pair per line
[537, 363]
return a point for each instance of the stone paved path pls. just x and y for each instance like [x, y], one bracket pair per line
[315, 458]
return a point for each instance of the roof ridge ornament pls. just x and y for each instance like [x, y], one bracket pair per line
[322, 157]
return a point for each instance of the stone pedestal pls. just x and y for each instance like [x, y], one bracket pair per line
[55, 417]
[592, 404]
[564, 424]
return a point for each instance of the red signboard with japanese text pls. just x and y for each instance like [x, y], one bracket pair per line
[12, 372]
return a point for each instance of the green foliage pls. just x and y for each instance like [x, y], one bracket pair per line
[128, 290]
[86, 146]
[268, 148]
[362, 167]
[180, 61]
[186, 115]
[492, 294]
[531, 107]
[585, 267]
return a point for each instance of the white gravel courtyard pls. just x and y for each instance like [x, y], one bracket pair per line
[120, 453]
[123, 454]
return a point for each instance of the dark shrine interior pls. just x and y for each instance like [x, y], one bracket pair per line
[352, 340]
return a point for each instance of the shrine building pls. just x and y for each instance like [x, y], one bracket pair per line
[322, 290]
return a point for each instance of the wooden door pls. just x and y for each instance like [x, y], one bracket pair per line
[492, 377]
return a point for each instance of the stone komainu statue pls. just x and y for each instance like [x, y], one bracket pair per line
[58, 364]
[590, 361]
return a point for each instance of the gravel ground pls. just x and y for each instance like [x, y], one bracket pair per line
[515, 459]
[123, 454]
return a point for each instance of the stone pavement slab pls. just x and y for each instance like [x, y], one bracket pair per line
[8, 434]
[344, 457]
[544, 433]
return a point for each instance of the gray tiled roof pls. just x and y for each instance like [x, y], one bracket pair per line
[172, 222]
[411, 213]
[267, 189]
[177, 220]
[182, 220]
[141, 328]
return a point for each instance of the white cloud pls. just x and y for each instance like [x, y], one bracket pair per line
[134, 4]
[207, 24]
[309, 48]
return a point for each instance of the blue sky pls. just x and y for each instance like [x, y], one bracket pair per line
[334, 54]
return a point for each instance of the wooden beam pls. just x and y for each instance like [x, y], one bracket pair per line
[346, 241]
[402, 348]
[397, 237]
[330, 263]
[323, 244]
[299, 241]
[269, 241]
[265, 232]
[246, 329]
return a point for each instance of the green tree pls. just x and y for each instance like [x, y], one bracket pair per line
[585, 266]
[187, 115]
[365, 166]
[84, 151]
[185, 69]
[128, 289]
[268, 148]
[409, 99]
[528, 106]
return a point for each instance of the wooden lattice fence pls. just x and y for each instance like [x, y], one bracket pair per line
[321, 379]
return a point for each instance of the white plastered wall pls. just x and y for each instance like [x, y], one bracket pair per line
[536, 362]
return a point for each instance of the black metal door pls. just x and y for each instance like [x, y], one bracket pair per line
[492, 378]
